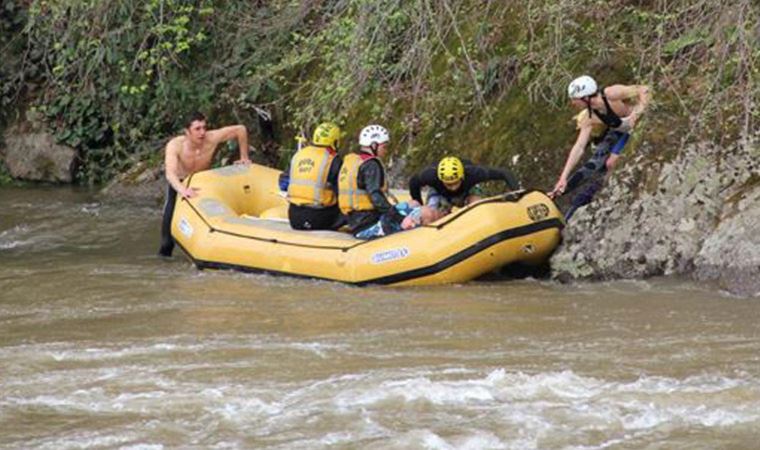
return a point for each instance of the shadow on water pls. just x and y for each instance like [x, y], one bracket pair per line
[519, 271]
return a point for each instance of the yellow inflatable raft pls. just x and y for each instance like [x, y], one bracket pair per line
[239, 221]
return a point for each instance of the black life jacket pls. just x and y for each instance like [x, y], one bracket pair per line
[610, 118]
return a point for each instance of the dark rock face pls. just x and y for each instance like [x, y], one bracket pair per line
[141, 183]
[35, 156]
[731, 254]
[697, 215]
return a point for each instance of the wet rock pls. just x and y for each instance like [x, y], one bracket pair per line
[141, 183]
[33, 154]
[690, 222]
[396, 170]
[731, 254]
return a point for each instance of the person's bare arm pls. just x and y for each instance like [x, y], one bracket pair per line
[171, 167]
[572, 158]
[622, 92]
[238, 132]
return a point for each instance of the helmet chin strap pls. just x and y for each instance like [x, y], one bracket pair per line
[373, 146]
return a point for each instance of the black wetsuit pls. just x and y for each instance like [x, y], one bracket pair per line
[371, 178]
[611, 141]
[311, 218]
[167, 241]
[473, 175]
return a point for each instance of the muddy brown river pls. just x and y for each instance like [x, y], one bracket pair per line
[104, 345]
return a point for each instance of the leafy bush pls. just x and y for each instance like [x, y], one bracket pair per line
[485, 80]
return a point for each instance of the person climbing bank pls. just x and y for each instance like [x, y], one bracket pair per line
[190, 153]
[313, 182]
[453, 182]
[607, 117]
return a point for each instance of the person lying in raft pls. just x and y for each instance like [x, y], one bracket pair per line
[363, 183]
[313, 182]
[410, 215]
[454, 182]
[192, 152]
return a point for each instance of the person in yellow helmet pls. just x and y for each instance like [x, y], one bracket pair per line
[454, 181]
[607, 116]
[313, 182]
[363, 183]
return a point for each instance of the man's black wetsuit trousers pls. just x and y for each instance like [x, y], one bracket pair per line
[167, 242]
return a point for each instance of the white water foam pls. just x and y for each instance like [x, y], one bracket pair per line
[544, 404]
[14, 237]
[177, 345]
[429, 407]
[429, 440]
[79, 441]
[415, 389]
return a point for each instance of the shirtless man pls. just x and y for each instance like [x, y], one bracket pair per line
[607, 117]
[190, 153]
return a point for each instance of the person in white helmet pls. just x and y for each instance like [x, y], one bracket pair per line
[607, 117]
[363, 183]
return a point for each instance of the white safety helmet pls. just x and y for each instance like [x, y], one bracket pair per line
[373, 134]
[582, 87]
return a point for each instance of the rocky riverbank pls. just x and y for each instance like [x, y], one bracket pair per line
[697, 215]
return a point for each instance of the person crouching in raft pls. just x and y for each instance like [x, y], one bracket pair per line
[454, 182]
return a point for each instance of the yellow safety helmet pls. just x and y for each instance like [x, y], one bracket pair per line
[450, 170]
[327, 134]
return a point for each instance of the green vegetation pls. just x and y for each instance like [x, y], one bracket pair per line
[5, 177]
[483, 79]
